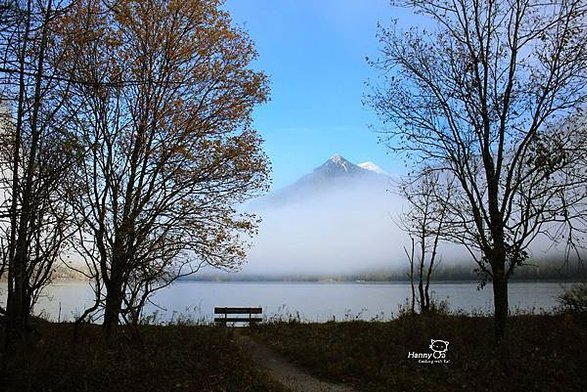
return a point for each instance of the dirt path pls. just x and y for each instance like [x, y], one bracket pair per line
[285, 372]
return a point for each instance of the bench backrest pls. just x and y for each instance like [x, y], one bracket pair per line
[225, 310]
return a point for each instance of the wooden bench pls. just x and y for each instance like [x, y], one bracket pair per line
[240, 315]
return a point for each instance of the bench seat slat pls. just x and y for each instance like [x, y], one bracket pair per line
[237, 319]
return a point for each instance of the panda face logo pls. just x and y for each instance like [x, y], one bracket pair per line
[438, 346]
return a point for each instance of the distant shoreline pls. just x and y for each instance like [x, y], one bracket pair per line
[212, 279]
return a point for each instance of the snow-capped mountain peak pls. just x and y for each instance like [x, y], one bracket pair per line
[338, 160]
[336, 175]
[372, 167]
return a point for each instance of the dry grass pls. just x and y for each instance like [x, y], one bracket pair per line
[170, 358]
[541, 353]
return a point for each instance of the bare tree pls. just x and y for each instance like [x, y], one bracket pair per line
[424, 223]
[36, 153]
[493, 96]
[165, 112]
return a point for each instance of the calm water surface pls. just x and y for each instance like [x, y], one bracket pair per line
[311, 301]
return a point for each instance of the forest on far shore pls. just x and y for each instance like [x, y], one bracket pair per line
[551, 270]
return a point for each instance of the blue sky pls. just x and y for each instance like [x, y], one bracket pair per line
[314, 53]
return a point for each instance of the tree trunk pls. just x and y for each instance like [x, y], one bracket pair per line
[412, 285]
[427, 306]
[413, 303]
[114, 291]
[500, 300]
[112, 308]
[427, 297]
[18, 304]
[423, 304]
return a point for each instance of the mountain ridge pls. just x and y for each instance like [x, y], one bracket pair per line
[335, 173]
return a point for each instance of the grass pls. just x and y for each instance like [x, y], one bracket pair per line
[540, 353]
[169, 358]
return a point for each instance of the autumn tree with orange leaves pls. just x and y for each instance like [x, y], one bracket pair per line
[163, 107]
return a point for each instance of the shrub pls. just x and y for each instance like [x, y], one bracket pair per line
[574, 300]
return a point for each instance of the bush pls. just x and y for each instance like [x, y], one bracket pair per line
[574, 300]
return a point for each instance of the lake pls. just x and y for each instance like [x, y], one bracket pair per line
[311, 301]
